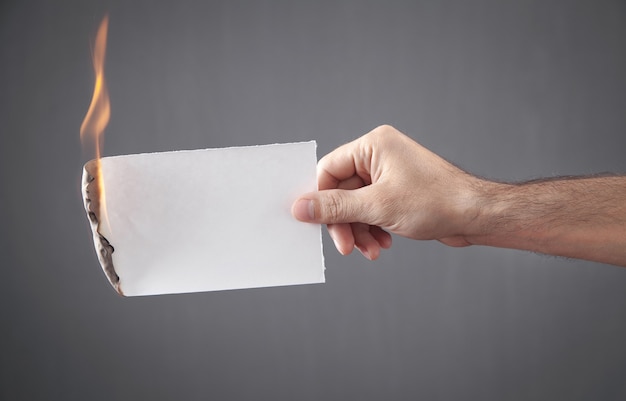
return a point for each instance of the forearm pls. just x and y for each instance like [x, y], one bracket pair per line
[581, 218]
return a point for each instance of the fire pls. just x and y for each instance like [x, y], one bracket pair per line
[97, 118]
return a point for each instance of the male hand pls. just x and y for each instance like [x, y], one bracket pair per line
[386, 182]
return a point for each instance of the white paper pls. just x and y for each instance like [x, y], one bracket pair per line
[212, 219]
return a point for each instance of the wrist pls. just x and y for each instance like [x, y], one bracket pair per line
[486, 210]
[470, 210]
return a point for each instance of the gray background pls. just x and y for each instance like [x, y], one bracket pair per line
[507, 89]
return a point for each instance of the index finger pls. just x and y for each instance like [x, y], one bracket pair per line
[348, 160]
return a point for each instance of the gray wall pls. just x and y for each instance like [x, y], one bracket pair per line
[507, 89]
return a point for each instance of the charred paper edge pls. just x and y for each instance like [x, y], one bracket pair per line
[91, 200]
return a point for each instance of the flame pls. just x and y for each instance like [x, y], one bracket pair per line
[99, 113]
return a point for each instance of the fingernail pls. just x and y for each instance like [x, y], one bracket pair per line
[337, 245]
[303, 210]
[365, 253]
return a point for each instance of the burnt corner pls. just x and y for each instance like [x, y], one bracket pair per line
[91, 200]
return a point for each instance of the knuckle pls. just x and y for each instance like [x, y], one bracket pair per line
[384, 128]
[382, 134]
[334, 208]
[339, 206]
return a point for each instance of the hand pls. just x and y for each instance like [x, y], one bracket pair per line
[386, 182]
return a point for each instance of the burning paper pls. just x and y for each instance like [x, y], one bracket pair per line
[198, 220]
[204, 220]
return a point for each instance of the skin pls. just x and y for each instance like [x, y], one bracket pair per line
[385, 182]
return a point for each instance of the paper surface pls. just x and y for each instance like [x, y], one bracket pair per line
[211, 219]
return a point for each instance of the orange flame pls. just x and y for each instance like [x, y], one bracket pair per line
[97, 118]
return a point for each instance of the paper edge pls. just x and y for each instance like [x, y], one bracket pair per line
[215, 149]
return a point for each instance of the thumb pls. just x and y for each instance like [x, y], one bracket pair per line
[330, 207]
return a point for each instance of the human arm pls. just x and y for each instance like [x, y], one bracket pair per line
[386, 182]
[577, 217]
